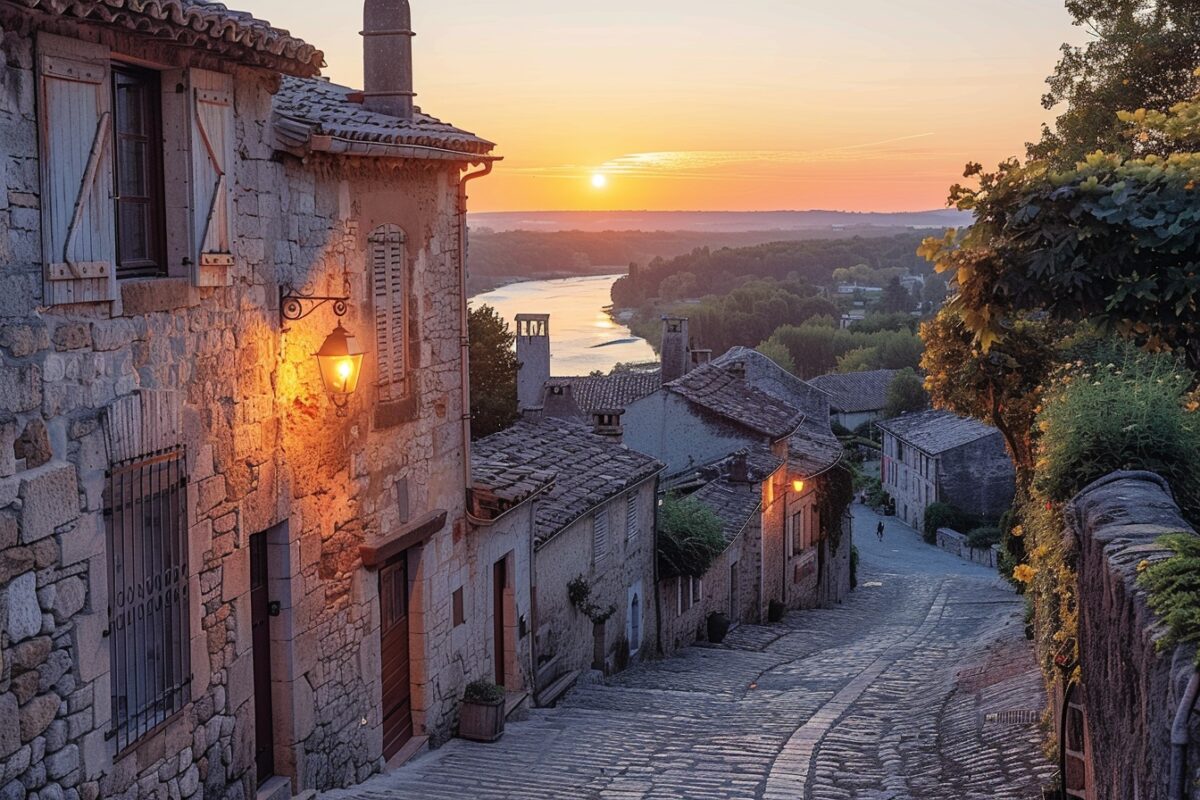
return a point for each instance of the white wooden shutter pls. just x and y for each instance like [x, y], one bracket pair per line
[388, 268]
[600, 534]
[75, 125]
[212, 176]
[631, 515]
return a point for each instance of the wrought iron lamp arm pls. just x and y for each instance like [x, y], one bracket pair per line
[294, 305]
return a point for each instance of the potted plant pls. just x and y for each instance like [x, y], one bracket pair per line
[775, 611]
[718, 626]
[481, 718]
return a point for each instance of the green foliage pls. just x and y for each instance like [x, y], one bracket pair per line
[984, 536]
[493, 369]
[906, 393]
[777, 353]
[864, 275]
[484, 692]
[817, 349]
[874, 323]
[835, 493]
[690, 537]
[1174, 591]
[579, 592]
[1128, 411]
[896, 299]
[945, 515]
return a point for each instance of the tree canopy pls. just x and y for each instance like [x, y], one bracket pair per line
[493, 372]
[906, 393]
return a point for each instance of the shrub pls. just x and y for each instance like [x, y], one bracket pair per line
[1174, 587]
[984, 537]
[483, 692]
[945, 515]
[690, 537]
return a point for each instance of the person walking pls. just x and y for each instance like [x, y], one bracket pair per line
[879, 530]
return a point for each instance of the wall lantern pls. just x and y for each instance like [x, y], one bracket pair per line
[798, 485]
[340, 357]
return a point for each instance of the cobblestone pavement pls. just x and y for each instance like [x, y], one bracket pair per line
[886, 697]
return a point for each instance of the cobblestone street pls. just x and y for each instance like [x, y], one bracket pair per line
[884, 698]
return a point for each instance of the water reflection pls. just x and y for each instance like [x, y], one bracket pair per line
[583, 337]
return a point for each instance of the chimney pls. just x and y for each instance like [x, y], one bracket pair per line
[607, 422]
[533, 360]
[674, 350]
[387, 58]
[701, 357]
[558, 401]
[738, 369]
[739, 468]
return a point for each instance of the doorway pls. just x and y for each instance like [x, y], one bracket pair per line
[499, 607]
[397, 689]
[260, 630]
[733, 594]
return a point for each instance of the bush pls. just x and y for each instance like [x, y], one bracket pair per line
[1174, 587]
[690, 537]
[483, 692]
[984, 537]
[945, 515]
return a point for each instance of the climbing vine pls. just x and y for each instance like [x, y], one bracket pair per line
[1174, 587]
[579, 592]
[835, 493]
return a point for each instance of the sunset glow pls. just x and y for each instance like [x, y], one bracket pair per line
[860, 105]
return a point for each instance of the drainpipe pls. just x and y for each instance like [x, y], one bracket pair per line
[464, 336]
[1180, 739]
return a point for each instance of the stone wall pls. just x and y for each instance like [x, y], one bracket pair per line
[1131, 690]
[954, 542]
[678, 630]
[978, 477]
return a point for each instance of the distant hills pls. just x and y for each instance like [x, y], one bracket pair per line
[715, 221]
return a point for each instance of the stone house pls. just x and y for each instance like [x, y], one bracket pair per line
[590, 503]
[221, 574]
[940, 457]
[855, 398]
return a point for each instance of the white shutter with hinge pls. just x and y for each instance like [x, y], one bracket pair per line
[387, 268]
[212, 176]
[75, 138]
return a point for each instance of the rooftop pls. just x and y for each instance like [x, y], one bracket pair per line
[723, 392]
[766, 375]
[813, 448]
[234, 35]
[618, 390]
[735, 503]
[312, 114]
[853, 392]
[936, 431]
[588, 469]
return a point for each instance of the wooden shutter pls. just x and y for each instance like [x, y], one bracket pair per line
[75, 126]
[600, 534]
[388, 268]
[212, 176]
[631, 515]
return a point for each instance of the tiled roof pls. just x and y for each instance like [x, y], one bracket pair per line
[735, 503]
[852, 392]
[723, 392]
[588, 469]
[497, 487]
[615, 391]
[936, 431]
[235, 35]
[813, 448]
[314, 114]
[766, 375]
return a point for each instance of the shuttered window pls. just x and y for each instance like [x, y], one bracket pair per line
[600, 534]
[212, 155]
[387, 253]
[137, 147]
[632, 528]
[75, 142]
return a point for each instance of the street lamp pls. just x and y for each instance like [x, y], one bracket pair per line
[798, 486]
[340, 357]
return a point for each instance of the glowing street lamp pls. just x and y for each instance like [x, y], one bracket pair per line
[340, 359]
[798, 486]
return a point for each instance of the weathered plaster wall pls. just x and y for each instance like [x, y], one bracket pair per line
[680, 630]
[1131, 691]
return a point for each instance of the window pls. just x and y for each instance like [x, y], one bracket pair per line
[600, 534]
[632, 528]
[633, 630]
[460, 615]
[697, 589]
[683, 594]
[387, 254]
[798, 533]
[145, 512]
[137, 149]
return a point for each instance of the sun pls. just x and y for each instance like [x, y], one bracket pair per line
[599, 180]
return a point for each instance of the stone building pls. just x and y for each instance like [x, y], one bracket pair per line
[940, 457]
[590, 505]
[220, 573]
[855, 398]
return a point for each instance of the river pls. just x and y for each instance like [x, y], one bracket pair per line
[583, 337]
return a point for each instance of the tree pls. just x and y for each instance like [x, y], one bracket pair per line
[493, 368]
[905, 393]
[895, 299]
[690, 537]
[1142, 55]
[772, 349]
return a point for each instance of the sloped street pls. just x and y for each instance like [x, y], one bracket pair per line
[887, 697]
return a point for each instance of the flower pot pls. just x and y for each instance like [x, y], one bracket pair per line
[775, 611]
[718, 626]
[481, 722]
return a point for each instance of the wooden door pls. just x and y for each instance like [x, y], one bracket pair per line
[260, 614]
[397, 691]
[733, 594]
[499, 584]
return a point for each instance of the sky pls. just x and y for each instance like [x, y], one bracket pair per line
[860, 105]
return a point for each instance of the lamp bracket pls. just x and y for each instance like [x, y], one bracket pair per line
[295, 304]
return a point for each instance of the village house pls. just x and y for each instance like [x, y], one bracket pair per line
[940, 457]
[855, 398]
[590, 505]
[234, 556]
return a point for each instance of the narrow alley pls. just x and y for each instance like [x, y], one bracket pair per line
[921, 686]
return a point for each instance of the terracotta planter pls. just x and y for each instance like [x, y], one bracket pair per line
[481, 722]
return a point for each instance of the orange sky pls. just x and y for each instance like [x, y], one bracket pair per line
[698, 105]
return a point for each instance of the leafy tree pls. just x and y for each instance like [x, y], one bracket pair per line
[860, 359]
[874, 323]
[690, 537]
[775, 351]
[896, 298]
[905, 393]
[493, 370]
[1141, 54]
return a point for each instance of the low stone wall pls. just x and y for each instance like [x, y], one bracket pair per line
[954, 542]
[1130, 690]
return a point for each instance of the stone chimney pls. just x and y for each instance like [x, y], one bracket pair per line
[387, 58]
[701, 357]
[676, 358]
[558, 401]
[533, 360]
[607, 423]
[739, 468]
[737, 368]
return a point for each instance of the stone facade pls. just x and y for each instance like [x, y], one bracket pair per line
[1128, 691]
[210, 372]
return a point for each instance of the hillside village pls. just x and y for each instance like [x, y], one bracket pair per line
[248, 547]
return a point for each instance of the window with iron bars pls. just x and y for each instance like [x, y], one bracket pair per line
[145, 511]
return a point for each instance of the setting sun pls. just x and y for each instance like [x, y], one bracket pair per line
[599, 181]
